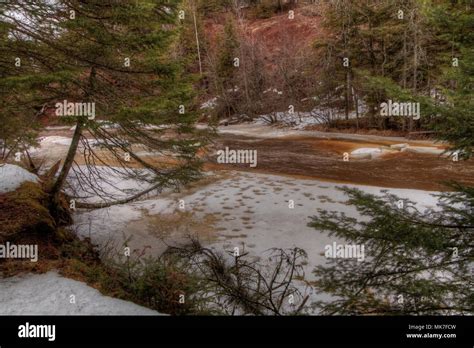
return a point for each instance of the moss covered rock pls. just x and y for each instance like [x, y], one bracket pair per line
[25, 210]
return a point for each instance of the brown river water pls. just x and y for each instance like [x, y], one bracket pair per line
[315, 158]
[306, 157]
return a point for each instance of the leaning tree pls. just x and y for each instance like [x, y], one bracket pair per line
[123, 58]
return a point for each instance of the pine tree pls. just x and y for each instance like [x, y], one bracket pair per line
[118, 56]
[225, 70]
[373, 40]
[18, 102]
[417, 262]
[227, 55]
[454, 25]
[192, 43]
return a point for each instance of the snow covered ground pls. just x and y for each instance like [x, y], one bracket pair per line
[51, 294]
[12, 176]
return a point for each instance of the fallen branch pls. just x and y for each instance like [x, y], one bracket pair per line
[84, 205]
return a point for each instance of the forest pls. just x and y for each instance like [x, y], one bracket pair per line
[237, 157]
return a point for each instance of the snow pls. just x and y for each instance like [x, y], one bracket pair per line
[265, 131]
[374, 152]
[12, 176]
[111, 226]
[54, 148]
[423, 150]
[258, 131]
[57, 127]
[295, 120]
[259, 215]
[366, 152]
[51, 140]
[56, 140]
[104, 124]
[50, 294]
[210, 104]
[300, 120]
[157, 127]
[274, 90]
[112, 181]
[249, 209]
[399, 146]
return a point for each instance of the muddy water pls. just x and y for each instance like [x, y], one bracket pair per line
[323, 159]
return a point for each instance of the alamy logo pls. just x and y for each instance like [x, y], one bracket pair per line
[75, 109]
[391, 108]
[37, 331]
[21, 251]
[237, 156]
[345, 251]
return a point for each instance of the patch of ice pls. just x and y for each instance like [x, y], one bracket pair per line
[113, 182]
[57, 140]
[260, 218]
[159, 127]
[57, 127]
[398, 146]
[367, 150]
[251, 211]
[423, 150]
[12, 176]
[109, 226]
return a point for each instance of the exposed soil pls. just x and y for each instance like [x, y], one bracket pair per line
[272, 33]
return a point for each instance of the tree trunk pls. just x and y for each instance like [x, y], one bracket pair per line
[356, 107]
[197, 40]
[404, 72]
[348, 93]
[415, 53]
[59, 183]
